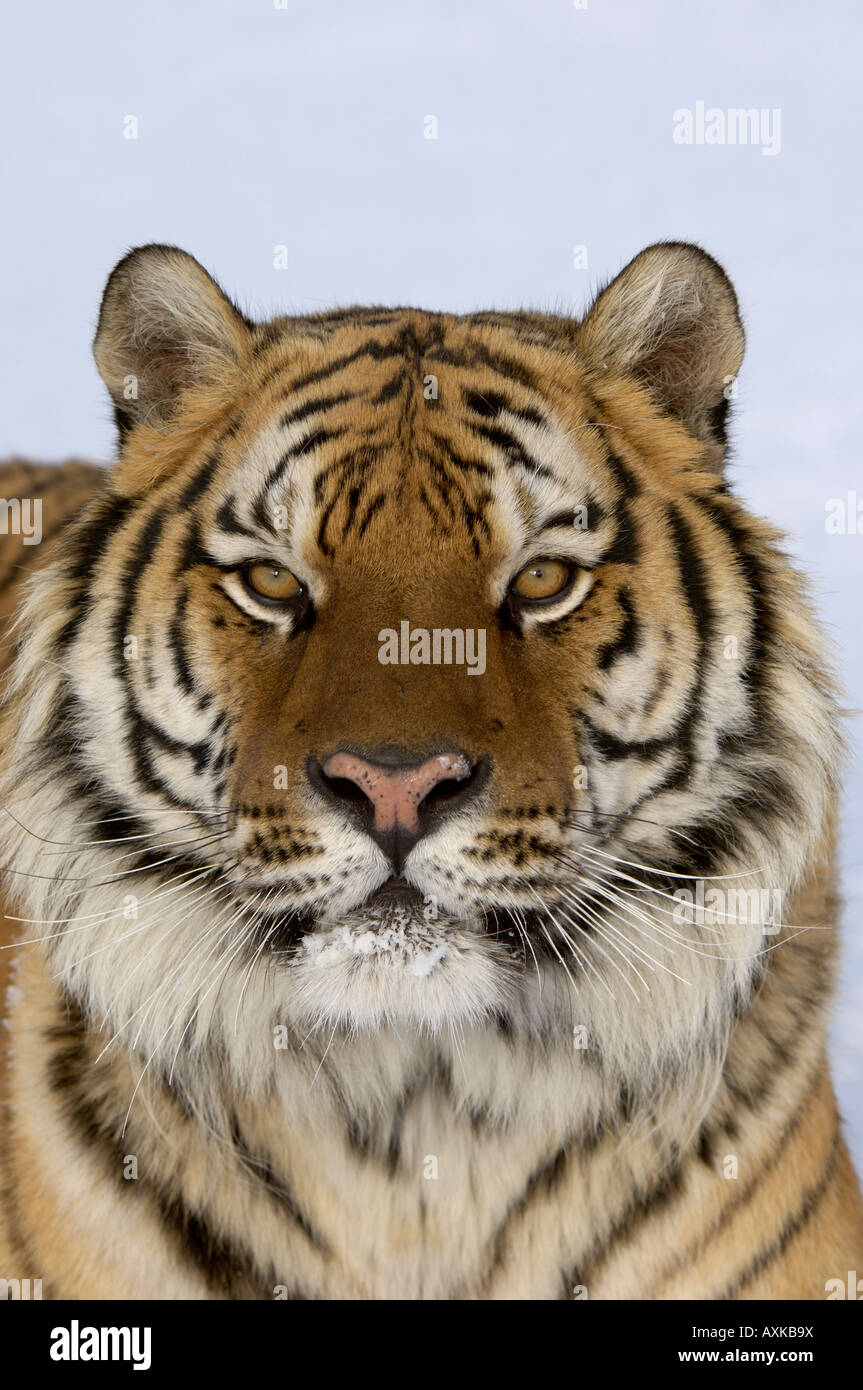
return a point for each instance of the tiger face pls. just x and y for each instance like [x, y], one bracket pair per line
[411, 662]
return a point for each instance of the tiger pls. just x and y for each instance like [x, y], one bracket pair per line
[419, 778]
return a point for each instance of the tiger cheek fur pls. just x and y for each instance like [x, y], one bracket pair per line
[366, 729]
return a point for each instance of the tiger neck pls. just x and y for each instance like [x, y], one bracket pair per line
[380, 1172]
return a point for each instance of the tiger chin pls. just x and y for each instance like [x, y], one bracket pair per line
[419, 775]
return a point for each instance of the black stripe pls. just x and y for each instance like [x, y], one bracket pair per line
[177, 644]
[752, 572]
[625, 548]
[69, 1069]
[276, 1189]
[628, 485]
[595, 517]
[627, 637]
[643, 1206]
[314, 407]
[812, 1198]
[228, 521]
[323, 544]
[546, 1178]
[201, 753]
[373, 507]
[348, 465]
[516, 454]
[353, 500]
[139, 555]
[477, 354]
[226, 1267]
[463, 464]
[377, 351]
[267, 335]
[609, 746]
[491, 404]
[744, 1197]
[693, 579]
[136, 739]
[197, 485]
[88, 547]
[390, 389]
[316, 441]
[437, 518]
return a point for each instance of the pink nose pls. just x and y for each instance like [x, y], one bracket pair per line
[396, 792]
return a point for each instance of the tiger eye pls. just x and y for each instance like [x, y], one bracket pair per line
[272, 582]
[542, 579]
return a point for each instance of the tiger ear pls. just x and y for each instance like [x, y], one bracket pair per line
[164, 325]
[671, 319]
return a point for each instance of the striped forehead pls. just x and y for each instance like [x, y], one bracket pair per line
[346, 463]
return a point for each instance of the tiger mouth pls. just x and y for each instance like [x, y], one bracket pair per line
[395, 905]
[395, 895]
[395, 919]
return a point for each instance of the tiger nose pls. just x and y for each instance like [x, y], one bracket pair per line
[394, 795]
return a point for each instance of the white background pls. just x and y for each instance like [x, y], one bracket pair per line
[304, 127]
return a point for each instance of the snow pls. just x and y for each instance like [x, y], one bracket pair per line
[406, 937]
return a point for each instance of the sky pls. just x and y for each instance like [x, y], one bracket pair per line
[456, 155]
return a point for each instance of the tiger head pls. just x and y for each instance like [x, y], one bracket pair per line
[409, 667]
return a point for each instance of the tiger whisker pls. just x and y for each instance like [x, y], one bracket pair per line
[644, 955]
[623, 817]
[207, 895]
[125, 839]
[669, 873]
[576, 954]
[725, 917]
[257, 955]
[114, 878]
[218, 968]
[524, 935]
[167, 928]
[220, 936]
[628, 903]
[93, 918]
[614, 965]
[601, 930]
[216, 983]
[605, 871]
[712, 955]
[197, 987]
[324, 1054]
[620, 877]
[208, 838]
[597, 919]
